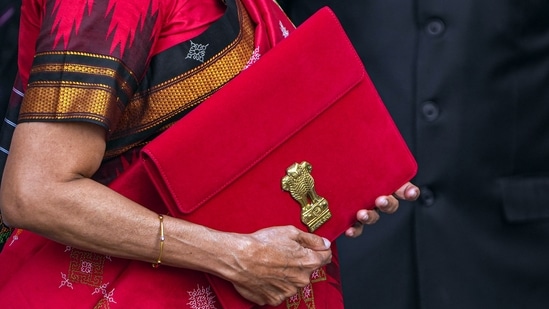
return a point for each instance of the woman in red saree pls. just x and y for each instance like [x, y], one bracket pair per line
[98, 80]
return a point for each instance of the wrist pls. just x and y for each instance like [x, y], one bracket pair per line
[192, 246]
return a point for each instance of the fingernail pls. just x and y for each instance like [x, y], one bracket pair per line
[365, 217]
[384, 202]
[327, 243]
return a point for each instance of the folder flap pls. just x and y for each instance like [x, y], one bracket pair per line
[286, 89]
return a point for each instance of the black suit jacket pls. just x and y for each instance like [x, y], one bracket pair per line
[467, 82]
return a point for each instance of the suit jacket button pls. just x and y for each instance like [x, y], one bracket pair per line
[435, 27]
[427, 196]
[430, 111]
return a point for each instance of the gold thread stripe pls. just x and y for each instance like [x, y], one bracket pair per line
[74, 68]
[61, 68]
[62, 102]
[117, 63]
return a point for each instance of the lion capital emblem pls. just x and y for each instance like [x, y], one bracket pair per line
[301, 185]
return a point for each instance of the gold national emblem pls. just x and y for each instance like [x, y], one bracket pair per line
[301, 185]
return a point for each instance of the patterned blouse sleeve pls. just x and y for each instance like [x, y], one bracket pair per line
[90, 57]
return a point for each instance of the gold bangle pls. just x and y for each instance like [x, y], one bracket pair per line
[159, 260]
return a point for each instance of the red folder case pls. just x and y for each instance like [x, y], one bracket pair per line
[309, 99]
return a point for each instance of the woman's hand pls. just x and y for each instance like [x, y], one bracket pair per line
[276, 262]
[386, 204]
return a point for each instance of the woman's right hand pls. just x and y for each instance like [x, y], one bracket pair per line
[276, 262]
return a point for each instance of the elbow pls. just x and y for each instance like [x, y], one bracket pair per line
[9, 213]
[6, 217]
[17, 201]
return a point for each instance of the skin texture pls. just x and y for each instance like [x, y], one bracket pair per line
[46, 188]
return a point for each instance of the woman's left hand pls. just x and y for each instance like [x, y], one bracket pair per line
[386, 204]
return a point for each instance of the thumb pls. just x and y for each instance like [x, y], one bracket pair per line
[313, 242]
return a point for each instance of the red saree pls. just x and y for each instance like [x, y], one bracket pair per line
[134, 102]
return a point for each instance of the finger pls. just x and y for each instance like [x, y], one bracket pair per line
[312, 241]
[355, 230]
[319, 249]
[373, 217]
[387, 204]
[408, 192]
[367, 217]
[364, 217]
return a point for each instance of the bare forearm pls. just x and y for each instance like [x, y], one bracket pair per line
[87, 215]
[47, 188]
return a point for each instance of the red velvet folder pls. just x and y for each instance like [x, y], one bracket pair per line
[308, 99]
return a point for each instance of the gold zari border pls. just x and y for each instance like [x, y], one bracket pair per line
[189, 89]
[68, 100]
